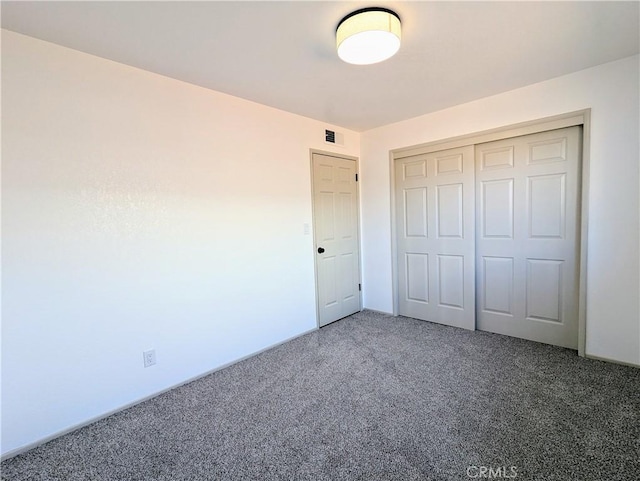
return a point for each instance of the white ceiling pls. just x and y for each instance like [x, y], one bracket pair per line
[282, 54]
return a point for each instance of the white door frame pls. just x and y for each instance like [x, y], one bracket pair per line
[571, 119]
[313, 224]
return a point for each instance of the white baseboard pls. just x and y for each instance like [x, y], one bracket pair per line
[27, 447]
[613, 361]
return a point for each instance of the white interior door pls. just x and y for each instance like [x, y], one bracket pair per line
[335, 208]
[527, 236]
[435, 236]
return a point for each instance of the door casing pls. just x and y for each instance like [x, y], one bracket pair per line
[570, 119]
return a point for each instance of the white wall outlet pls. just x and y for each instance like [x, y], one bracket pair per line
[149, 357]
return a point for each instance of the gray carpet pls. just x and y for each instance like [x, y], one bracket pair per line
[371, 397]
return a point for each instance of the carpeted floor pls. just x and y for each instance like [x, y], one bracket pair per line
[371, 397]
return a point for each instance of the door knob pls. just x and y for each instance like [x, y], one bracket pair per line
[320, 250]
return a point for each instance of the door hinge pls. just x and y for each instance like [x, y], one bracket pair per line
[356, 177]
[359, 287]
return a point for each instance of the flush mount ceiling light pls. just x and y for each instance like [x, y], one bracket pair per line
[367, 36]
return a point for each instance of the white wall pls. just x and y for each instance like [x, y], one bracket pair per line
[140, 212]
[611, 91]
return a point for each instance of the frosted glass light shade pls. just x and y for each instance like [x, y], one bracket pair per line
[368, 36]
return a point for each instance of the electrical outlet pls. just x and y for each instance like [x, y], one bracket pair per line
[149, 357]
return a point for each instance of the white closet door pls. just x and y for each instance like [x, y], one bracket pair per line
[435, 237]
[527, 192]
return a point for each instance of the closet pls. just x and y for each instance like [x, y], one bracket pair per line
[487, 235]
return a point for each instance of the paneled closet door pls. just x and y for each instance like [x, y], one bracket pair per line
[527, 199]
[435, 236]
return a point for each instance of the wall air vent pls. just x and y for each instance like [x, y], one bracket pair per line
[333, 137]
[330, 136]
